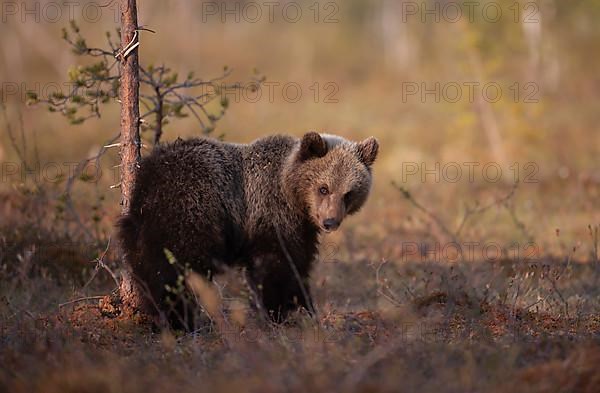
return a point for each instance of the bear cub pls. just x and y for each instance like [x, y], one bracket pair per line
[259, 206]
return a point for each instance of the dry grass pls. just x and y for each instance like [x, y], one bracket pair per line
[403, 324]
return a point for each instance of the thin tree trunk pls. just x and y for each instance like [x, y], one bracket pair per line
[130, 294]
[483, 108]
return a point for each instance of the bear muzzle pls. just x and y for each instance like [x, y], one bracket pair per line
[330, 224]
[330, 212]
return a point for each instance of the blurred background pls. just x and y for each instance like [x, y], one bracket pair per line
[513, 85]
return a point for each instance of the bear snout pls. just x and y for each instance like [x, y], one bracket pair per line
[330, 224]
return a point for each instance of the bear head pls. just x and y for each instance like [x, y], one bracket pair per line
[330, 177]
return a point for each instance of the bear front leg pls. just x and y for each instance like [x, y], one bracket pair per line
[280, 289]
[255, 289]
[283, 293]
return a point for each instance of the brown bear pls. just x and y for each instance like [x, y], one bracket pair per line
[259, 206]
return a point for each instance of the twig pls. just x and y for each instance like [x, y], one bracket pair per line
[144, 28]
[307, 298]
[469, 212]
[478, 210]
[18, 309]
[71, 180]
[82, 299]
[12, 138]
[251, 286]
[594, 236]
[407, 195]
[560, 296]
[381, 286]
[100, 264]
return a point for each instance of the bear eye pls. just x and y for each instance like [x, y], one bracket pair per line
[324, 190]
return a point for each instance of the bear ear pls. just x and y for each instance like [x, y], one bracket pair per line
[312, 146]
[367, 151]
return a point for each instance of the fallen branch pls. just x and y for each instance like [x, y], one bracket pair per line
[82, 299]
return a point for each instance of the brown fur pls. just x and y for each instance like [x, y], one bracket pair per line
[260, 206]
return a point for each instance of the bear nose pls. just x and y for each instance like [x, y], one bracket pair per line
[330, 224]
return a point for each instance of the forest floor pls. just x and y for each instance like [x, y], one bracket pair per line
[390, 317]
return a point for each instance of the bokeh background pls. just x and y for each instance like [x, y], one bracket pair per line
[357, 65]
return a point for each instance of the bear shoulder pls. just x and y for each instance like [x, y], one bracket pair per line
[268, 154]
[272, 145]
